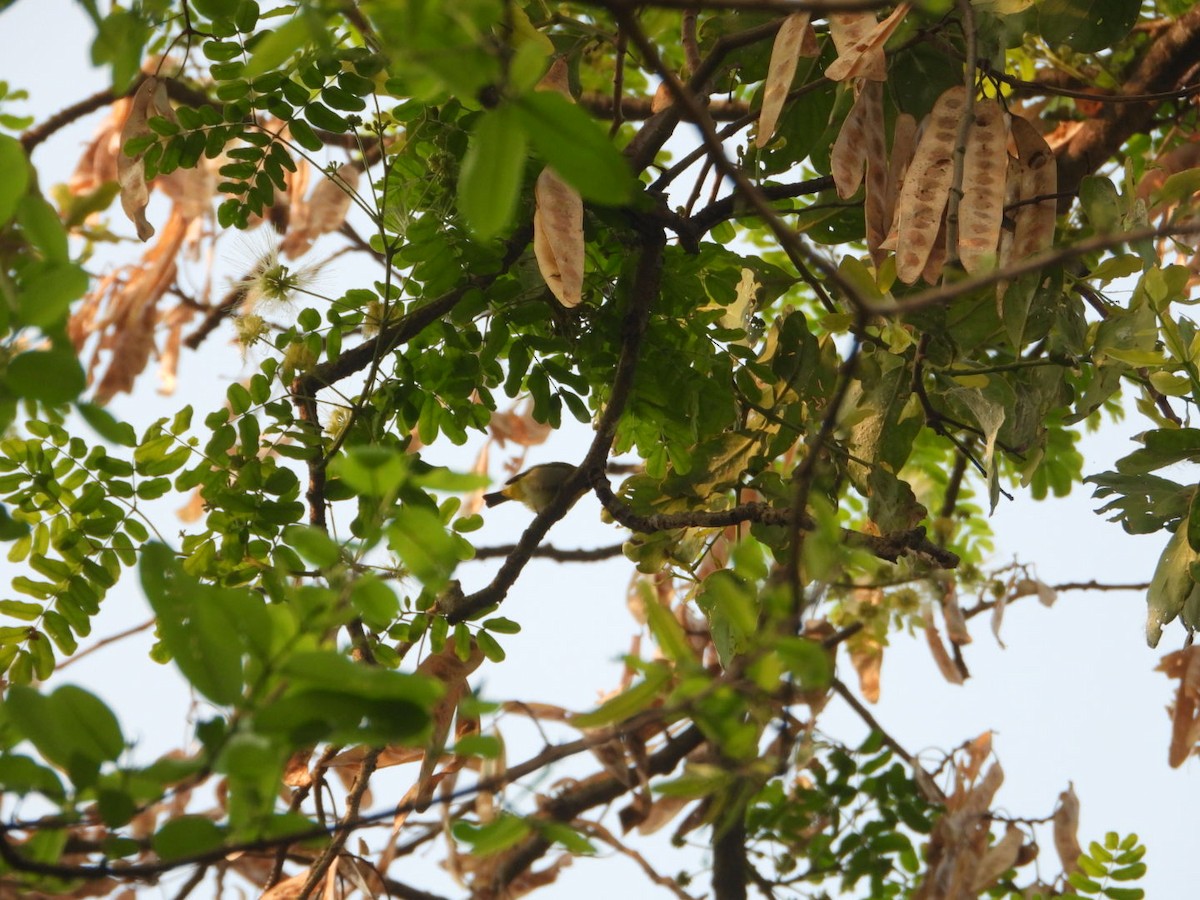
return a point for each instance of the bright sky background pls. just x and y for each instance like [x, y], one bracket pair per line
[1073, 697]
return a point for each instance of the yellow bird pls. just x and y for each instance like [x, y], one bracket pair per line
[536, 487]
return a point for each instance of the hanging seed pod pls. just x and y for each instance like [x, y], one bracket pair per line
[904, 141]
[927, 186]
[1034, 230]
[860, 50]
[849, 153]
[878, 216]
[984, 169]
[793, 40]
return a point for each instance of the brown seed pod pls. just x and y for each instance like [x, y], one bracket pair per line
[849, 153]
[904, 140]
[1034, 230]
[790, 44]
[982, 207]
[927, 186]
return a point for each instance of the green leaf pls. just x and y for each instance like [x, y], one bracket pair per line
[576, 146]
[71, 728]
[47, 289]
[186, 836]
[200, 626]
[16, 176]
[668, 633]
[419, 538]
[492, 171]
[106, 425]
[630, 702]
[500, 834]
[43, 228]
[1086, 25]
[1163, 447]
[1172, 584]
[279, 44]
[51, 376]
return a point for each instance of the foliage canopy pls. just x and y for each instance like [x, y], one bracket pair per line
[824, 283]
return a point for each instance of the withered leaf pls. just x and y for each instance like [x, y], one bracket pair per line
[1185, 713]
[150, 101]
[1001, 857]
[1066, 827]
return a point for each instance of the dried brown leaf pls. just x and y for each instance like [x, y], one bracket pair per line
[945, 664]
[149, 101]
[1001, 857]
[785, 56]
[1034, 229]
[956, 624]
[288, 889]
[324, 212]
[452, 672]
[557, 78]
[98, 164]
[984, 171]
[1066, 828]
[927, 186]
[296, 773]
[866, 655]
[1185, 713]
[558, 237]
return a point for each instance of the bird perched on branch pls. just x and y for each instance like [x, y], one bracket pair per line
[536, 487]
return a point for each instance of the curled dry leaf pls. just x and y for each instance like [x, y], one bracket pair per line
[1066, 827]
[956, 624]
[860, 50]
[790, 44]
[557, 78]
[927, 186]
[945, 664]
[1034, 228]
[866, 655]
[984, 171]
[149, 101]
[558, 237]
[1001, 857]
[1185, 713]
[452, 672]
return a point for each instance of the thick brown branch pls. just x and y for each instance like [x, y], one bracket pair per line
[552, 553]
[637, 109]
[1166, 62]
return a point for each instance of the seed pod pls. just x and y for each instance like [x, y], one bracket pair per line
[904, 139]
[849, 153]
[558, 237]
[860, 51]
[982, 206]
[927, 186]
[1034, 231]
[789, 46]
[878, 215]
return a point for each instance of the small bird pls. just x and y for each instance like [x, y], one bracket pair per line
[536, 487]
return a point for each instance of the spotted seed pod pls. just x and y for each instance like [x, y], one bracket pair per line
[1034, 229]
[849, 153]
[792, 41]
[860, 53]
[904, 140]
[878, 215]
[982, 207]
[927, 186]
